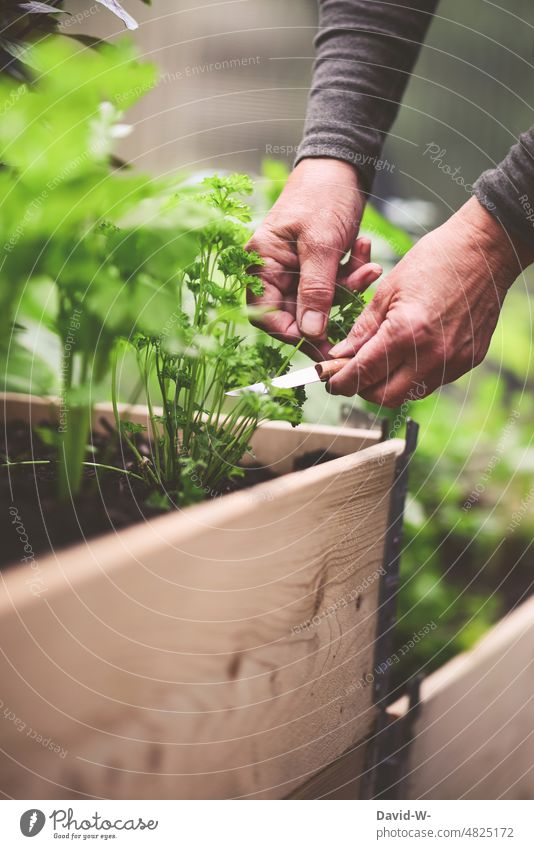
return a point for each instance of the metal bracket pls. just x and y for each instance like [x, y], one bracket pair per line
[387, 610]
[356, 417]
[391, 746]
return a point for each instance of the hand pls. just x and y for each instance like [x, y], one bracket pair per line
[432, 319]
[311, 227]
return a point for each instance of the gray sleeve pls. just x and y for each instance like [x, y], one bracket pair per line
[365, 52]
[507, 192]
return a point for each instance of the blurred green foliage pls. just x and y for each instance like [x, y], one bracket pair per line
[470, 516]
[90, 250]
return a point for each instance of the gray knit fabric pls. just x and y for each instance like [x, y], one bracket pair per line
[365, 52]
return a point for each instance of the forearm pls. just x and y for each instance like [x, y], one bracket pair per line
[365, 52]
[507, 192]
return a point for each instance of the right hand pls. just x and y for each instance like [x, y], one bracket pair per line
[313, 224]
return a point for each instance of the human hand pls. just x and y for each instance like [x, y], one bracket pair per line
[309, 230]
[432, 319]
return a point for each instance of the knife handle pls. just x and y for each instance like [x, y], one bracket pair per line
[329, 368]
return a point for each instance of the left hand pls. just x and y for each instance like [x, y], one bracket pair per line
[432, 319]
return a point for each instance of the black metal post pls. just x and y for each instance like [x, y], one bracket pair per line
[387, 609]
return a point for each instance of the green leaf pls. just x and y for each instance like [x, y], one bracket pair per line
[275, 174]
[120, 12]
[24, 371]
[374, 224]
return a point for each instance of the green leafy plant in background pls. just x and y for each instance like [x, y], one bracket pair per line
[24, 21]
[62, 205]
[470, 521]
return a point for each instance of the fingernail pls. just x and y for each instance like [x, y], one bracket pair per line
[338, 349]
[373, 274]
[312, 323]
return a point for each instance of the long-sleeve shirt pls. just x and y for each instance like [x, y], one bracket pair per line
[365, 53]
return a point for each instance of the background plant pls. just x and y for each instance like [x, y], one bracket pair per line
[63, 204]
[24, 21]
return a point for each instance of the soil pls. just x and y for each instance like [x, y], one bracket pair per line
[33, 523]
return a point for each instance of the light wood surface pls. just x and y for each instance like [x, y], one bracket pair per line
[342, 779]
[204, 654]
[474, 735]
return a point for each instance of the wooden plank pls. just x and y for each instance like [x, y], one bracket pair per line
[205, 654]
[266, 442]
[474, 735]
[339, 780]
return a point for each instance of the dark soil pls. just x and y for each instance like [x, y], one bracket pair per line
[32, 521]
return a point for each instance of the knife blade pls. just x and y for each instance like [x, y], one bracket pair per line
[300, 377]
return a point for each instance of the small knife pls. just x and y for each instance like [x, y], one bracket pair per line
[302, 377]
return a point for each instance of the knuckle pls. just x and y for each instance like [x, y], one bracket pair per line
[392, 399]
[315, 240]
[259, 240]
[316, 295]
[423, 330]
[315, 290]
[365, 375]
[265, 237]
[472, 352]
[439, 353]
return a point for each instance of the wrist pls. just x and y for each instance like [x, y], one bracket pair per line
[325, 169]
[504, 252]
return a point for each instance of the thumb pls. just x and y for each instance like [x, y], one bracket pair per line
[319, 265]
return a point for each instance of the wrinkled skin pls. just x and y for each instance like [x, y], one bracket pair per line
[431, 319]
[303, 240]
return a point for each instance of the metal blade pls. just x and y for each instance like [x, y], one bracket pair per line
[301, 377]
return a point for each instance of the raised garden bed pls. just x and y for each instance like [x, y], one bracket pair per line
[468, 732]
[213, 652]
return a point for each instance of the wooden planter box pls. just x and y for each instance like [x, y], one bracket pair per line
[212, 653]
[470, 734]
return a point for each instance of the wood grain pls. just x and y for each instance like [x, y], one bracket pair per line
[474, 735]
[208, 653]
[339, 780]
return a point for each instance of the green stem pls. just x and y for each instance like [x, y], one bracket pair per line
[154, 435]
[103, 466]
[288, 359]
[74, 435]
[120, 430]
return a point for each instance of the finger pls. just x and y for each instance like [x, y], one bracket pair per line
[318, 273]
[280, 325]
[359, 280]
[373, 363]
[317, 349]
[359, 255]
[366, 326]
[401, 387]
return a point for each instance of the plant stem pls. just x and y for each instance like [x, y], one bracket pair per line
[103, 466]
